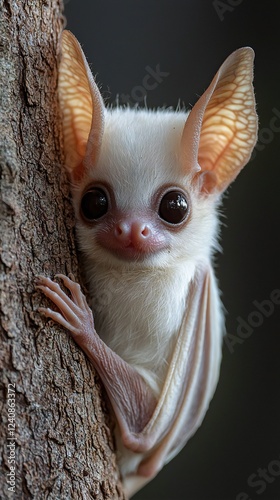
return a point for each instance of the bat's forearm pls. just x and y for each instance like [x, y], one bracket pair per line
[131, 398]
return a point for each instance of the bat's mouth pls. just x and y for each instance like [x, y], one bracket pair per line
[130, 253]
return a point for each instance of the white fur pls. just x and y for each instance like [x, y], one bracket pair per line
[139, 306]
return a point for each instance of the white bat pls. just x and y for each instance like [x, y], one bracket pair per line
[146, 186]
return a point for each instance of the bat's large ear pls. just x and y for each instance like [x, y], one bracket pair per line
[221, 130]
[81, 106]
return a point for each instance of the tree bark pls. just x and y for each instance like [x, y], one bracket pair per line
[55, 429]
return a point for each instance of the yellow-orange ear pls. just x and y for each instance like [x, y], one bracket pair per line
[81, 106]
[221, 130]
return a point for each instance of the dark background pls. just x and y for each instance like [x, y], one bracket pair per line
[190, 39]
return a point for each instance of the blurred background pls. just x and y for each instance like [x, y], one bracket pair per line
[235, 455]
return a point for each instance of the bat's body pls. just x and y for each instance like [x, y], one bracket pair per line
[123, 291]
[146, 186]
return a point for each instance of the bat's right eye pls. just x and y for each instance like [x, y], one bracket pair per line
[94, 204]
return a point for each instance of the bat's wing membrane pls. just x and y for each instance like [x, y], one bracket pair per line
[191, 379]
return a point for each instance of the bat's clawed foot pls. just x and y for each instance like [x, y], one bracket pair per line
[73, 312]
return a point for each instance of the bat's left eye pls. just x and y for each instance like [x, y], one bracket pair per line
[173, 207]
[94, 204]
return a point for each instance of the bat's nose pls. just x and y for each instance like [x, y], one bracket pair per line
[133, 233]
[133, 237]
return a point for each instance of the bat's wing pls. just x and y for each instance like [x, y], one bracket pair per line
[191, 380]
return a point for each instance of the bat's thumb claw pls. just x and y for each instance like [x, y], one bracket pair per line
[38, 278]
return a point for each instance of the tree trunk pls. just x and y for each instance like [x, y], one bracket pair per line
[55, 436]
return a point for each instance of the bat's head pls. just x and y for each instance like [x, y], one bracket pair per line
[139, 204]
[146, 184]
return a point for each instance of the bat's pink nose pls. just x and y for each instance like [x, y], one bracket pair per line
[133, 233]
[133, 237]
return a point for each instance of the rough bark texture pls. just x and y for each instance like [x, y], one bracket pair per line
[63, 445]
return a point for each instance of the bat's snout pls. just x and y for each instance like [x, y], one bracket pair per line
[133, 238]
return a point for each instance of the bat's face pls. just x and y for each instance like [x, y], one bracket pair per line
[138, 205]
